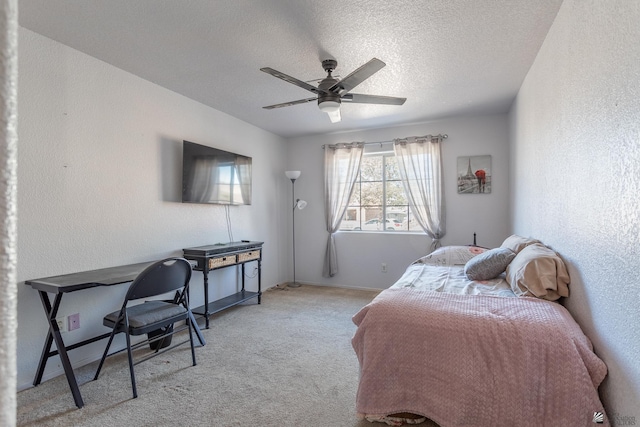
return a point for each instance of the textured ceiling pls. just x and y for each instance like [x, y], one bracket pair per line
[447, 57]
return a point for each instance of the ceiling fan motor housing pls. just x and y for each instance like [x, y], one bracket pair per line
[324, 85]
[328, 101]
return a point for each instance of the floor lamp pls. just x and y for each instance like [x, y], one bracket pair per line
[297, 204]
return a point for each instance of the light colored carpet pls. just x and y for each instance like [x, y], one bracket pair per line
[286, 362]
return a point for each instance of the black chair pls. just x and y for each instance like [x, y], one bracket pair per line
[162, 277]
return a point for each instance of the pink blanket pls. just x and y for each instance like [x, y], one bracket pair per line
[471, 360]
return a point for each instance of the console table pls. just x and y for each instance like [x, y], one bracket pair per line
[222, 255]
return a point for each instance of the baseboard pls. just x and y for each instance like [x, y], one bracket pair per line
[332, 285]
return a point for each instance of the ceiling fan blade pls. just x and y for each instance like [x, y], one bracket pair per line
[335, 116]
[358, 98]
[358, 76]
[290, 103]
[292, 80]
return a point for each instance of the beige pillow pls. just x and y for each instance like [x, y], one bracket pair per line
[517, 243]
[538, 271]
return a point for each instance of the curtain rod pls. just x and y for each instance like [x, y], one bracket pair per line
[439, 136]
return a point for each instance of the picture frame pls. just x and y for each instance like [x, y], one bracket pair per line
[474, 174]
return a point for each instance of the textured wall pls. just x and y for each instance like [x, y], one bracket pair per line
[8, 157]
[99, 169]
[575, 165]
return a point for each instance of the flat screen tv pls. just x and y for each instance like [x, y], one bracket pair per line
[210, 175]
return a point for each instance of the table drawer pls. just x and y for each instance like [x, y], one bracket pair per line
[248, 256]
[222, 261]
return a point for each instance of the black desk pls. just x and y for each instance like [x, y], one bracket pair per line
[59, 285]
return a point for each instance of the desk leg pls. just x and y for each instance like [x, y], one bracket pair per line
[43, 358]
[54, 335]
[242, 277]
[205, 275]
[259, 279]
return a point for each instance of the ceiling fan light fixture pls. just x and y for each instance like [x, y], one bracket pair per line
[329, 106]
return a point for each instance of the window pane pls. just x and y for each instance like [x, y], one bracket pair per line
[397, 216]
[351, 219]
[355, 197]
[372, 217]
[395, 194]
[413, 224]
[371, 194]
[391, 169]
[371, 168]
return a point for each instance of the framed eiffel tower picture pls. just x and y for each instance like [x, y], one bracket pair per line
[474, 175]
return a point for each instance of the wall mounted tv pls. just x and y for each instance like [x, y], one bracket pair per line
[210, 175]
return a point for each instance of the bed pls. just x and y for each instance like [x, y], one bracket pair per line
[476, 337]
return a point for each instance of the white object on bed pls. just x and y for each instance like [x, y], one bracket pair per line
[451, 255]
[443, 271]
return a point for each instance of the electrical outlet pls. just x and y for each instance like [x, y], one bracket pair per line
[74, 322]
[62, 323]
[384, 267]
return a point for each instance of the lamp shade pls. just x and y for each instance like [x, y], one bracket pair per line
[292, 174]
[301, 204]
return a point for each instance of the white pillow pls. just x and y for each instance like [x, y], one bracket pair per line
[451, 255]
[489, 264]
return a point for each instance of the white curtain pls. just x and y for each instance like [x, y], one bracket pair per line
[341, 167]
[420, 165]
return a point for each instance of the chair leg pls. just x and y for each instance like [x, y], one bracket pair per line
[104, 355]
[191, 330]
[133, 375]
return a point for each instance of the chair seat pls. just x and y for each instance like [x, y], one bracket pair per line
[144, 317]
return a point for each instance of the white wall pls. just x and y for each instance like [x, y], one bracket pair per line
[99, 183]
[575, 163]
[361, 253]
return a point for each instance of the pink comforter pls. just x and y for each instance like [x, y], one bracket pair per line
[470, 360]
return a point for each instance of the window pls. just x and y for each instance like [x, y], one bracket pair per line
[379, 202]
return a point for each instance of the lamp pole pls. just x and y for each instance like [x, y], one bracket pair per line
[293, 221]
[293, 175]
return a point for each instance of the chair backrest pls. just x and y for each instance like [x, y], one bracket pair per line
[161, 277]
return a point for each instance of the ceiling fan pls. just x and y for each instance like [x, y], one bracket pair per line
[331, 92]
